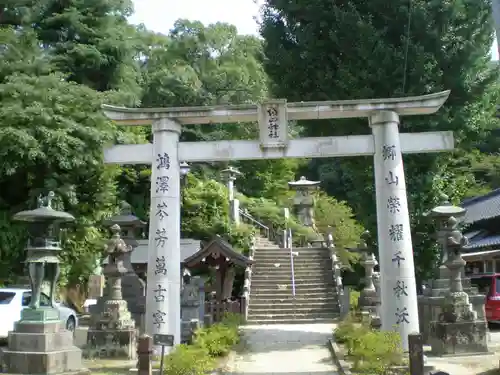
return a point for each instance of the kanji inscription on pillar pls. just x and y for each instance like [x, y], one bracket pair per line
[398, 288]
[163, 287]
[273, 124]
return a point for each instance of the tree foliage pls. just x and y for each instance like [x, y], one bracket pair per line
[60, 61]
[324, 50]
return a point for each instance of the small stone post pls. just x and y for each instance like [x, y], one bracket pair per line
[416, 353]
[112, 330]
[145, 355]
[230, 175]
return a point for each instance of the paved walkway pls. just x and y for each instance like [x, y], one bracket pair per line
[298, 349]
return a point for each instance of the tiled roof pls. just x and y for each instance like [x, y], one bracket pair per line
[483, 207]
[482, 241]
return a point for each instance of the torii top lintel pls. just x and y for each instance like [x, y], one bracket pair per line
[407, 106]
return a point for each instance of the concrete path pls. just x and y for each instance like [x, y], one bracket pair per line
[298, 349]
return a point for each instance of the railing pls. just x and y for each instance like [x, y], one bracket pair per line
[247, 283]
[289, 243]
[249, 219]
[217, 309]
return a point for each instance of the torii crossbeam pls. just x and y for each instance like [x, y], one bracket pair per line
[385, 143]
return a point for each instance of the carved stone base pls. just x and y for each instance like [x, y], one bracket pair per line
[459, 337]
[188, 329]
[42, 348]
[113, 316]
[116, 344]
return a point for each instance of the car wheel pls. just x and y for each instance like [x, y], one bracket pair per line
[71, 324]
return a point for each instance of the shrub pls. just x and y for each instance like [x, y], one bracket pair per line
[354, 300]
[217, 339]
[371, 351]
[188, 360]
[375, 352]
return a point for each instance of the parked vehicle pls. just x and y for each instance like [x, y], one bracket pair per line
[13, 300]
[489, 285]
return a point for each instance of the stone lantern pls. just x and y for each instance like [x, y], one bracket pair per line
[368, 298]
[40, 343]
[112, 331]
[442, 214]
[431, 303]
[457, 329]
[133, 287]
[304, 200]
[230, 175]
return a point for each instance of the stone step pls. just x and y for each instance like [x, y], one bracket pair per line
[305, 306]
[291, 311]
[267, 292]
[310, 268]
[280, 271]
[286, 259]
[298, 299]
[292, 316]
[299, 283]
[292, 320]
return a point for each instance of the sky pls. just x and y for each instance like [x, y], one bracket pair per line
[160, 15]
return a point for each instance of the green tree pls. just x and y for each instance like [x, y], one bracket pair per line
[90, 41]
[51, 134]
[324, 50]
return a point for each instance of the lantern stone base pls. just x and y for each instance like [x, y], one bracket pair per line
[42, 348]
[460, 337]
[41, 314]
[109, 343]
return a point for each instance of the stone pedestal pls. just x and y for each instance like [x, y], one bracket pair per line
[42, 348]
[458, 331]
[112, 334]
[430, 304]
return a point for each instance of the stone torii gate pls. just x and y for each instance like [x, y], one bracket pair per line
[386, 144]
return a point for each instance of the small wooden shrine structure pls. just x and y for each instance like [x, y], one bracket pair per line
[220, 255]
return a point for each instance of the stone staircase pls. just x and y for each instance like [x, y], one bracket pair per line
[271, 297]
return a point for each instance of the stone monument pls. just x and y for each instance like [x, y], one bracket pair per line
[112, 331]
[40, 343]
[457, 329]
[431, 303]
[192, 306]
[368, 299]
[133, 287]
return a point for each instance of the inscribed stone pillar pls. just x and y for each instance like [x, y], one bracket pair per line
[163, 315]
[399, 308]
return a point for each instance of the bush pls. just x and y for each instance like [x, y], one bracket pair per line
[208, 344]
[375, 352]
[188, 360]
[217, 339]
[370, 351]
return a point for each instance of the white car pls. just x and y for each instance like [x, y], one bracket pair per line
[13, 300]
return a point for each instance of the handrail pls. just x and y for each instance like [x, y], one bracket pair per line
[290, 244]
[257, 223]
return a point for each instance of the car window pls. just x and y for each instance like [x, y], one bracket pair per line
[483, 284]
[6, 297]
[44, 299]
